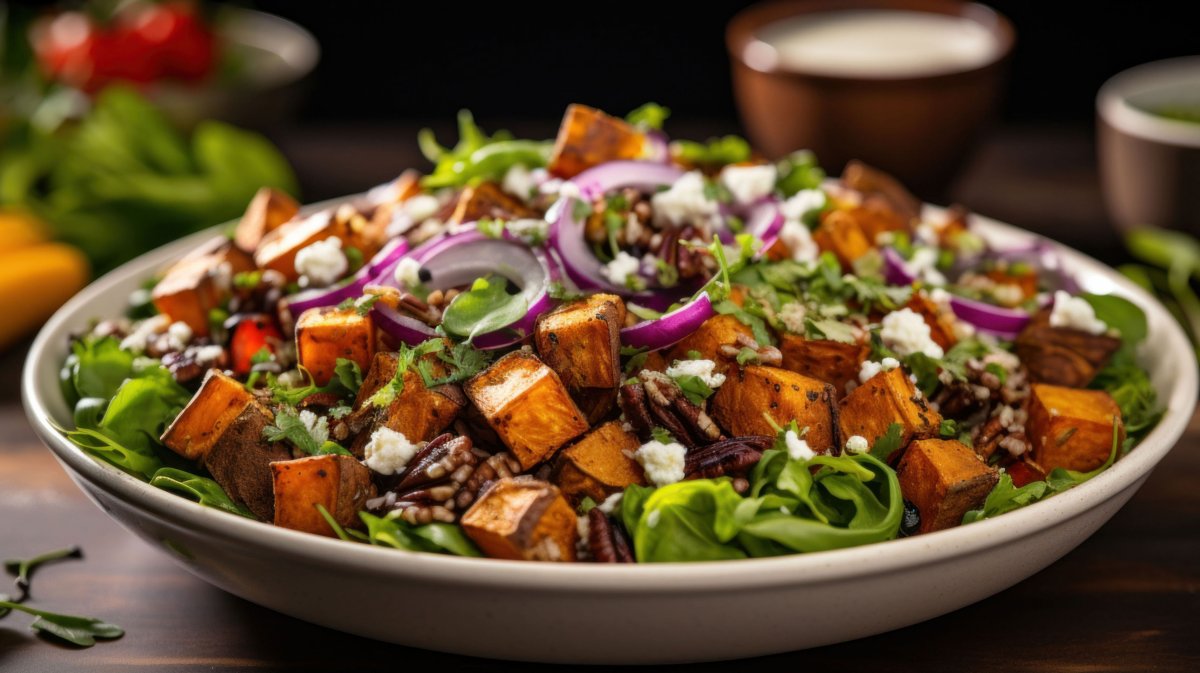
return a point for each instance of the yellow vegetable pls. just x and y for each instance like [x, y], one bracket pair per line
[18, 230]
[34, 281]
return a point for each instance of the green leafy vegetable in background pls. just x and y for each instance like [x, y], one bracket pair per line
[82, 631]
[1171, 262]
[649, 116]
[1123, 378]
[477, 156]
[201, 489]
[799, 171]
[123, 180]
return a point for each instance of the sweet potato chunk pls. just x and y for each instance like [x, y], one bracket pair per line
[325, 334]
[599, 464]
[872, 182]
[488, 200]
[833, 362]
[944, 479]
[418, 413]
[588, 137]
[340, 484]
[268, 210]
[886, 398]
[1062, 356]
[522, 518]
[527, 405]
[1072, 427]
[218, 403]
[841, 234]
[277, 250]
[748, 393]
[240, 461]
[707, 340]
[595, 403]
[875, 218]
[581, 341]
[199, 283]
[941, 326]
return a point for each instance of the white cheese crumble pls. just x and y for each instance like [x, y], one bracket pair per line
[621, 268]
[792, 317]
[179, 334]
[207, 355]
[610, 503]
[388, 451]
[906, 332]
[684, 203]
[797, 447]
[701, 369]
[748, 184]
[317, 426]
[519, 182]
[923, 266]
[420, 207]
[799, 241]
[802, 203]
[323, 262]
[857, 444]
[583, 527]
[926, 234]
[1075, 313]
[408, 272]
[663, 463]
[869, 369]
[137, 340]
[529, 231]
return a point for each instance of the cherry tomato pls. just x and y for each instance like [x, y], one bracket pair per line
[65, 47]
[249, 335]
[1023, 473]
[172, 35]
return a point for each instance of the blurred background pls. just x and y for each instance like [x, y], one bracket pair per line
[328, 101]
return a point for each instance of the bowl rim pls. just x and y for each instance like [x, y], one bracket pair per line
[235, 23]
[39, 381]
[741, 36]
[1113, 101]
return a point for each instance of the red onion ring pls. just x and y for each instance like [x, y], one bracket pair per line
[351, 288]
[671, 327]
[657, 147]
[647, 175]
[998, 321]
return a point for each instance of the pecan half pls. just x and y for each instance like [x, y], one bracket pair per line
[766, 355]
[607, 541]
[728, 456]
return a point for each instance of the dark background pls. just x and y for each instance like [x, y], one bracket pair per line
[383, 60]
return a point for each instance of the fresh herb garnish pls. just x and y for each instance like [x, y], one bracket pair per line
[82, 631]
[304, 430]
[477, 156]
[715, 153]
[888, 443]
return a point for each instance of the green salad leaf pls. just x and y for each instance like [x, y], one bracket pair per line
[436, 538]
[798, 171]
[82, 631]
[200, 489]
[649, 116]
[478, 156]
[486, 307]
[715, 153]
[1123, 378]
[99, 367]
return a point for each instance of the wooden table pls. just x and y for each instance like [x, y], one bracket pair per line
[1125, 600]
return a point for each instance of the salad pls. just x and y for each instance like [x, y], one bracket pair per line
[613, 347]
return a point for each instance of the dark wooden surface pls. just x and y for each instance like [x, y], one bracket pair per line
[1126, 600]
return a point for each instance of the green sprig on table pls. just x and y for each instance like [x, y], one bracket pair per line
[74, 629]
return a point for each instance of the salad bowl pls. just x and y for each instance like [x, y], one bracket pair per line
[590, 613]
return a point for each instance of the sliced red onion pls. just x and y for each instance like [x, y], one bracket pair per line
[391, 252]
[671, 327]
[996, 320]
[895, 269]
[763, 220]
[350, 288]
[458, 259]
[645, 175]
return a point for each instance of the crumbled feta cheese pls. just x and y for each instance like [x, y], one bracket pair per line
[923, 266]
[857, 444]
[663, 463]
[802, 203]
[179, 334]
[388, 451]
[408, 272]
[799, 241]
[906, 332]
[528, 230]
[701, 369]
[1014, 445]
[137, 340]
[621, 268]
[925, 234]
[1075, 313]
[323, 262]
[317, 426]
[792, 316]
[610, 503]
[684, 203]
[420, 207]
[564, 189]
[869, 369]
[207, 355]
[748, 184]
[940, 297]
[797, 447]
[519, 182]
[583, 527]
[1008, 294]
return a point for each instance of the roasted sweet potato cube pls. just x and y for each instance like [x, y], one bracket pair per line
[717, 331]
[599, 464]
[527, 405]
[240, 461]
[200, 282]
[418, 413]
[941, 326]
[840, 234]
[1072, 427]
[277, 250]
[340, 484]
[833, 362]
[876, 183]
[944, 478]
[875, 218]
[750, 392]
[581, 341]
[522, 518]
[488, 200]
[596, 404]
[268, 210]
[1063, 356]
[218, 403]
[588, 137]
[886, 398]
[325, 334]
[1027, 281]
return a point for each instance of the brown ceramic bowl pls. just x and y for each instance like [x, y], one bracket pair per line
[917, 127]
[1150, 164]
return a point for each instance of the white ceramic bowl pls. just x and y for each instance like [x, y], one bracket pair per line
[586, 613]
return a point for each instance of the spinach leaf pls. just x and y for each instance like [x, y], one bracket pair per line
[100, 366]
[82, 631]
[486, 307]
[200, 489]
[436, 538]
[1119, 314]
[687, 521]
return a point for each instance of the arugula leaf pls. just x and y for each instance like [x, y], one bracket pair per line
[23, 568]
[200, 489]
[82, 631]
[485, 308]
[888, 443]
[100, 366]
[649, 116]
[477, 156]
